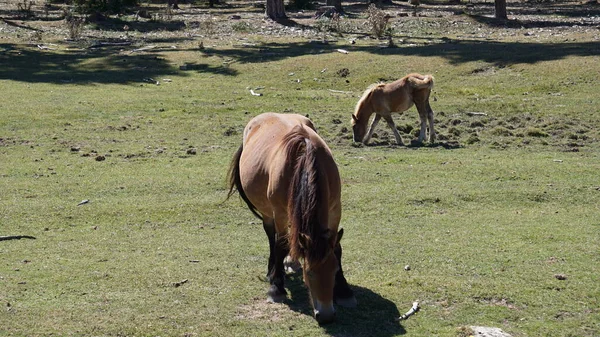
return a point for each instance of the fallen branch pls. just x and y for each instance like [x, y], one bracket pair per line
[340, 92]
[143, 49]
[412, 311]
[109, 44]
[476, 114]
[343, 51]
[16, 237]
[254, 93]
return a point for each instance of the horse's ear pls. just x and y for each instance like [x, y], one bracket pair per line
[339, 235]
[354, 118]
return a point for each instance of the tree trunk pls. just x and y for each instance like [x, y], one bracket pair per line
[337, 4]
[501, 9]
[275, 10]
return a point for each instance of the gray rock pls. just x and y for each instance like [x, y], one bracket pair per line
[482, 331]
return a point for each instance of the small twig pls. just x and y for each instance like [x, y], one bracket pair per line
[343, 51]
[412, 311]
[254, 93]
[151, 80]
[179, 284]
[16, 237]
[42, 47]
[476, 114]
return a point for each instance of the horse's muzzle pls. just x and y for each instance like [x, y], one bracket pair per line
[325, 315]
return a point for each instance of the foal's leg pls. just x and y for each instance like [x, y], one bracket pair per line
[342, 293]
[423, 116]
[390, 123]
[430, 119]
[371, 128]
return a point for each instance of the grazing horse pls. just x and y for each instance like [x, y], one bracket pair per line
[385, 99]
[286, 175]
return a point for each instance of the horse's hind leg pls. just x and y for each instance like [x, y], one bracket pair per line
[278, 250]
[277, 291]
[342, 293]
[269, 227]
[392, 125]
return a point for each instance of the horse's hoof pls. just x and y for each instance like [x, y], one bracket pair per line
[276, 298]
[348, 302]
[274, 295]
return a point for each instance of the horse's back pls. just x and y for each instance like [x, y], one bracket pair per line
[264, 165]
[272, 125]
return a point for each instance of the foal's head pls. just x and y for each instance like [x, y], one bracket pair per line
[359, 129]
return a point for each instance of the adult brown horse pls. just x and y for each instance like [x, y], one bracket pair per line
[286, 175]
[385, 99]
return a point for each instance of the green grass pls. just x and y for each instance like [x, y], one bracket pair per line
[486, 226]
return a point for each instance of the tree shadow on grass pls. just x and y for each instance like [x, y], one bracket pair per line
[498, 53]
[455, 51]
[374, 315]
[91, 65]
[116, 24]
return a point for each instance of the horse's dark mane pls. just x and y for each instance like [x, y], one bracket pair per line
[307, 238]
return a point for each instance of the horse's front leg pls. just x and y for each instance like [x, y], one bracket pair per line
[371, 128]
[342, 293]
[277, 291]
[392, 125]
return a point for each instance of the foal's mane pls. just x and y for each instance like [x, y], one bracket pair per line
[307, 238]
[364, 99]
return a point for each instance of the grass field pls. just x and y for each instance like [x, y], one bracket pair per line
[499, 221]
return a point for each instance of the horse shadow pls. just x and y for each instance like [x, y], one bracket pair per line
[414, 144]
[374, 315]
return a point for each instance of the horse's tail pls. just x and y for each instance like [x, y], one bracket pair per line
[235, 182]
[421, 81]
[304, 198]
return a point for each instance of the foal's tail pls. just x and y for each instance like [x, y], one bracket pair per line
[235, 182]
[421, 81]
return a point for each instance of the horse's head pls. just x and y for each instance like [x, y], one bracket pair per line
[319, 277]
[358, 129]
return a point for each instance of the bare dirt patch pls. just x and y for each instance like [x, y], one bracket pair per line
[261, 310]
